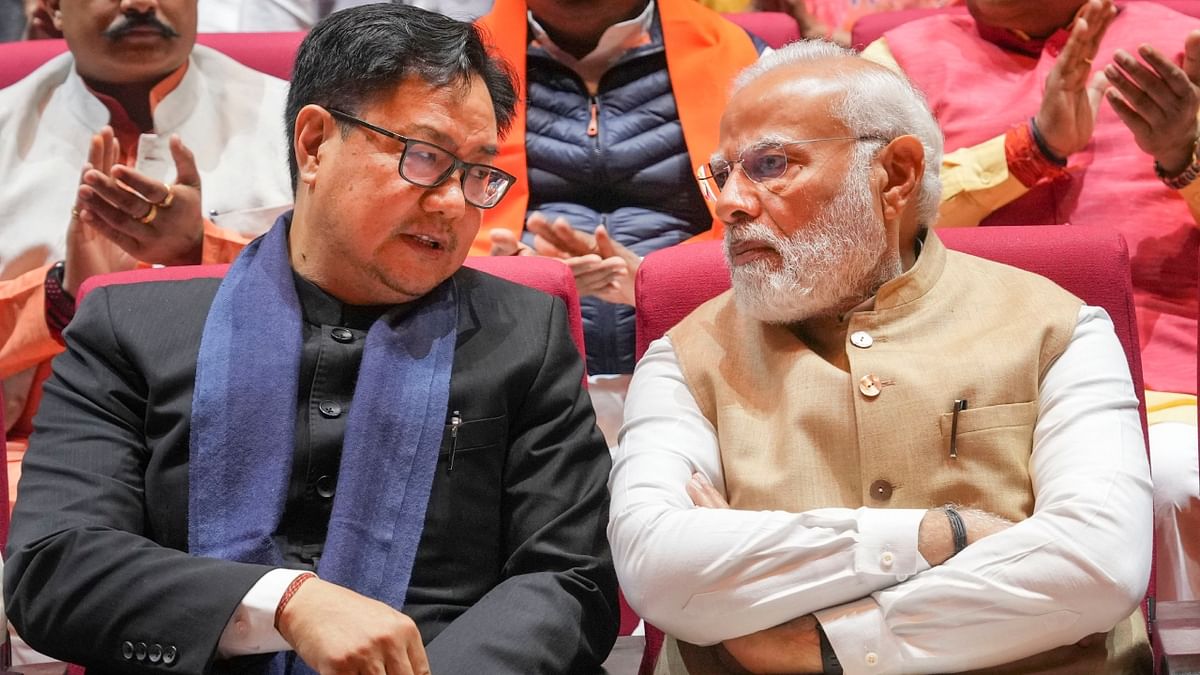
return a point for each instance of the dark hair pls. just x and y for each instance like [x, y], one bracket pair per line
[356, 55]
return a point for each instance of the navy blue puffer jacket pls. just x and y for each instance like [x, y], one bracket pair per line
[618, 159]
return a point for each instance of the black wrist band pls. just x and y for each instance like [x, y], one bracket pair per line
[1041, 144]
[59, 304]
[957, 528]
[829, 660]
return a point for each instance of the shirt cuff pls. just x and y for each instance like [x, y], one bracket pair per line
[859, 637]
[887, 543]
[251, 629]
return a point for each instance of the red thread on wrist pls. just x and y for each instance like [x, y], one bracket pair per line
[287, 594]
[1025, 160]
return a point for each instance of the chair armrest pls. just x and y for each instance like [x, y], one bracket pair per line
[1177, 637]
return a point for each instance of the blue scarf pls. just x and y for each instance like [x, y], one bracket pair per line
[244, 424]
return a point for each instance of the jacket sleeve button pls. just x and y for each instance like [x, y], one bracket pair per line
[127, 650]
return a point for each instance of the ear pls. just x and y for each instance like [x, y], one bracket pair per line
[314, 127]
[51, 8]
[903, 160]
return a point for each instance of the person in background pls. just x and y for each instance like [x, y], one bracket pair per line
[620, 104]
[1083, 112]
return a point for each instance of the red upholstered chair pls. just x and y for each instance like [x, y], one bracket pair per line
[271, 53]
[774, 28]
[1092, 265]
[872, 26]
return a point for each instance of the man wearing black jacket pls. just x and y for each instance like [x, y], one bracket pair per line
[351, 454]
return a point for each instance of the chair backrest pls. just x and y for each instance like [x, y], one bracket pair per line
[872, 26]
[270, 53]
[544, 274]
[774, 28]
[1093, 265]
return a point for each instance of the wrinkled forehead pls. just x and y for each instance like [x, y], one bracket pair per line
[783, 105]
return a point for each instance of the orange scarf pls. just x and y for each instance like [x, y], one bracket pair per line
[704, 53]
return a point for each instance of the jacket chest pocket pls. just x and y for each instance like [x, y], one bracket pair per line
[989, 468]
[465, 437]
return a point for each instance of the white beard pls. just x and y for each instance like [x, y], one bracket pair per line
[829, 264]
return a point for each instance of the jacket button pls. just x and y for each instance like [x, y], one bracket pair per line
[170, 654]
[330, 408]
[127, 650]
[869, 386]
[861, 339]
[139, 651]
[342, 335]
[881, 490]
[154, 653]
[326, 485]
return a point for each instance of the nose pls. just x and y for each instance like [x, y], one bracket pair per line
[738, 201]
[446, 199]
[138, 6]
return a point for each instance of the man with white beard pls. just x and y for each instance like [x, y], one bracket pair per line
[874, 454]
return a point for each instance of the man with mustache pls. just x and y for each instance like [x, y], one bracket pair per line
[788, 495]
[350, 455]
[117, 152]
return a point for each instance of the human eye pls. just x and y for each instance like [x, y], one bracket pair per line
[425, 160]
[766, 164]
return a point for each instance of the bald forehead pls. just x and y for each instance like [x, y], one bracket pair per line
[797, 100]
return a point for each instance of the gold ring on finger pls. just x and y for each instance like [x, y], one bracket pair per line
[75, 212]
[169, 199]
[150, 215]
[1088, 61]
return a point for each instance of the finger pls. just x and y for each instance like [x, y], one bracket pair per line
[185, 163]
[584, 263]
[536, 223]
[397, 664]
[155, 191]
[112, 192]
[1172, 75]
[1153, 86]
[571, 240]
[1191, 57]
[95, 226]
[1132, 119]
[95, 153]
[417, 658]
[1072, 64]
[114, 217]
[1095, 91]
[604, 243]
[704, 494]
[503, 242]
[1133, 94]
[542, 246]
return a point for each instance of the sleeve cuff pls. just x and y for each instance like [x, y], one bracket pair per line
[251, 629]
[888, 543]
[859, 637]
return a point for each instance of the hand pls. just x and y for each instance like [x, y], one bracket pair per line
[118, 200]
[88, 253]
[792, 647]
[935, 539]
[38, 23]
[1159, 102]
[336, 630]
[602, 267]
[1069, 103]
[703, 493]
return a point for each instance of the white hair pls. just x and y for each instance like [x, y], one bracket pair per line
[878, 102]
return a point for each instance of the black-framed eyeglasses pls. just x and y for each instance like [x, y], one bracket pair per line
[427, 165]
[760, 163]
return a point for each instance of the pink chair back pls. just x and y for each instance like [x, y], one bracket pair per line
[271, 53]
[1093, 265]
[774, 28]
[544, 274]
[872, 26]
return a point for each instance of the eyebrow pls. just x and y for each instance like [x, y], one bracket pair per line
[440, 138]
[768, 141]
